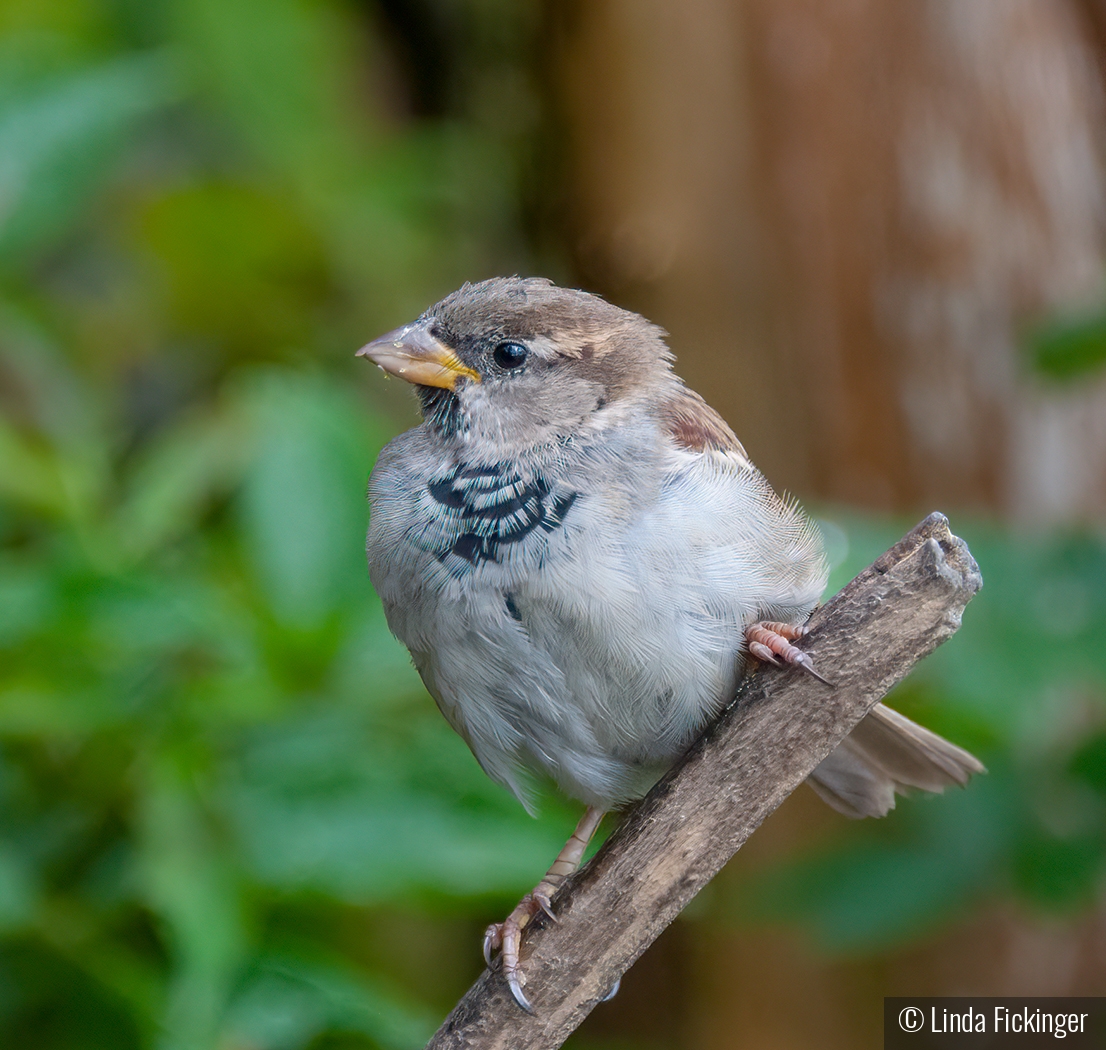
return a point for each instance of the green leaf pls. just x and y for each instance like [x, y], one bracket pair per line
[60, 137]
[289, 1000]
[27, 601]
[383, 203]
[1088, 764]
[1069, 345]
[303, 506]
[368, 811]
[1061, 873]
[17, 890]
[178, 476]
[191, 887]
[31, 477]
[239, 265]
[278, 66]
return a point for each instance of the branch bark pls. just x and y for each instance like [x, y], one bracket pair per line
[865, 640]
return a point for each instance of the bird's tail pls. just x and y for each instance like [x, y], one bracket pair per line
[886, 753]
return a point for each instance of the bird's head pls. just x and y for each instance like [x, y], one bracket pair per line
[519, 362]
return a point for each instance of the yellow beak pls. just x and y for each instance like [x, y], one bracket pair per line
[412, 353]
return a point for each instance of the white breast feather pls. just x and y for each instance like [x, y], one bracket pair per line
[632, 616]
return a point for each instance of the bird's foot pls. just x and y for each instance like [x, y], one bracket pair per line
[771, 642]
[506, 938]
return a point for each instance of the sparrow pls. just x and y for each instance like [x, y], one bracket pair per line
[584, 563]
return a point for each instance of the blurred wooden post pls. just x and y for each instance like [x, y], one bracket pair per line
[846, 214]
[865, 640]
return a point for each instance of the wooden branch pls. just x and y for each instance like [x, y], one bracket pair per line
[865, 640]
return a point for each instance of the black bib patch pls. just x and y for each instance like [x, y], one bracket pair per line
[494, 507]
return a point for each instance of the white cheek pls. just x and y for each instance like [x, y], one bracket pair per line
[507, 416]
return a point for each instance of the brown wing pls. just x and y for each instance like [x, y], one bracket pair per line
[695, 426]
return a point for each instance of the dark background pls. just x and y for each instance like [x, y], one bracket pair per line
[230, 818]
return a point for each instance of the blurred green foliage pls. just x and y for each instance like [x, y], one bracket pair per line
[229, 815]
[215, 762]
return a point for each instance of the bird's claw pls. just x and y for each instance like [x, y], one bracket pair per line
[771, 642]
[506, 938]
[808, 665]
[493, 940]
[544, 905]
[763, 653]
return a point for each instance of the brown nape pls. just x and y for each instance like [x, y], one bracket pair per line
[694, 425]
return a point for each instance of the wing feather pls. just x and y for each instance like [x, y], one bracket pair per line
[693, 425]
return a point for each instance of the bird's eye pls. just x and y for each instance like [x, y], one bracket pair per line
[510, 355]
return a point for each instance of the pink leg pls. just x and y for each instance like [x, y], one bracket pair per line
[771, 642]
[506, 936]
